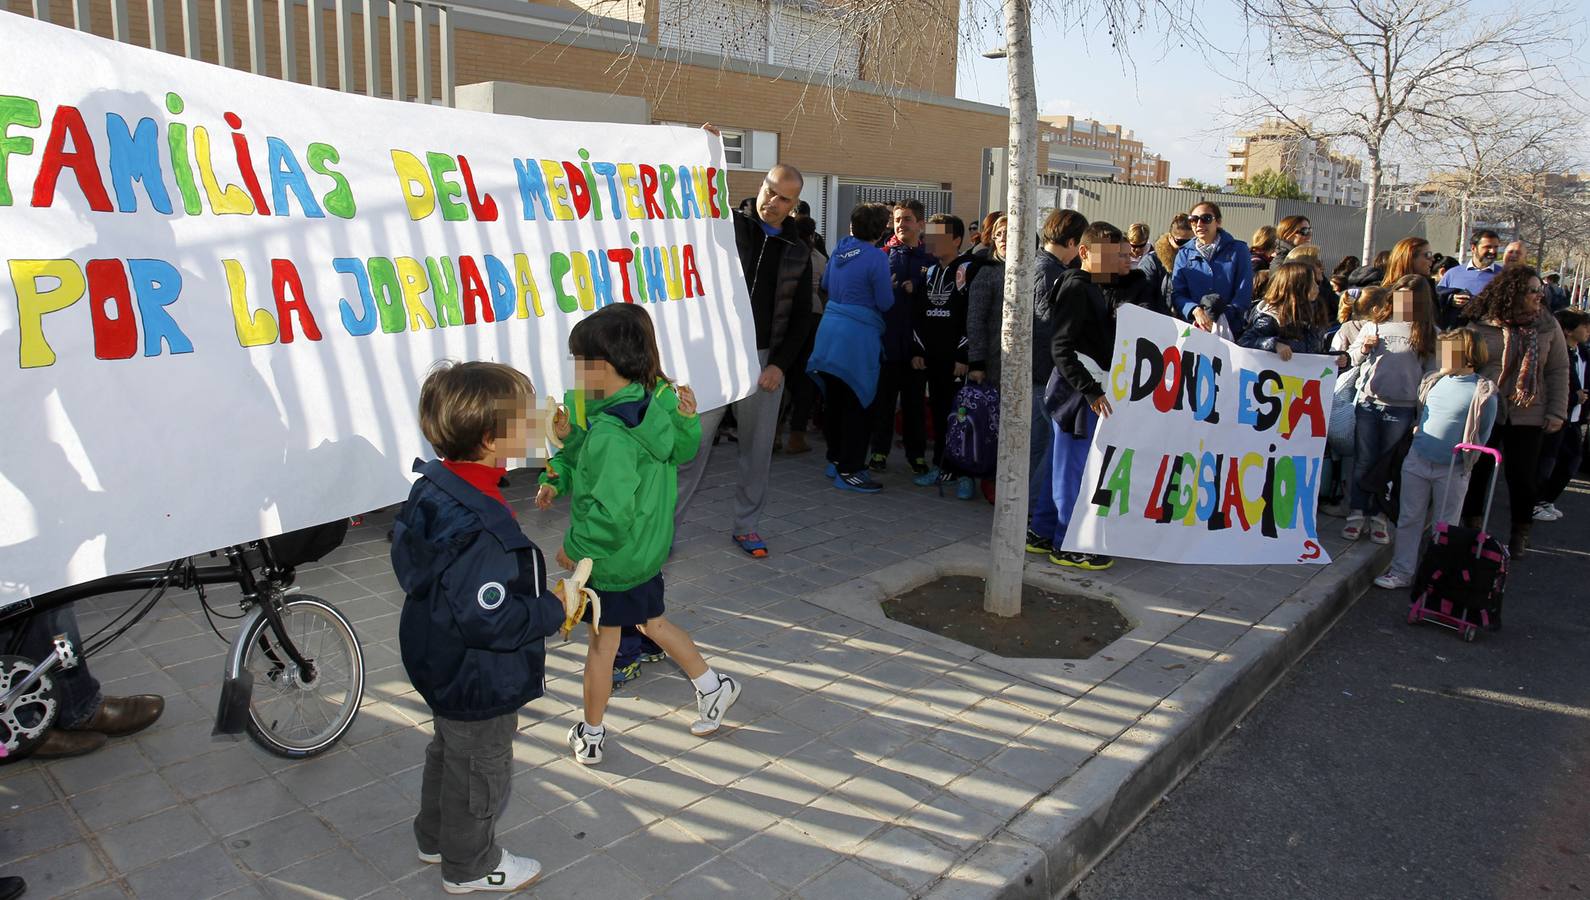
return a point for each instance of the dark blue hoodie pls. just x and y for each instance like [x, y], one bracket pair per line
[477, 607]
[907, 265]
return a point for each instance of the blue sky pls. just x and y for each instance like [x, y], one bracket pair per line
[1163, 90]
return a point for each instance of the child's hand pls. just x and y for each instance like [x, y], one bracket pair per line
[560, 423]
[1369, 342]
[687, 401]
[544, 496]
[564, 561]
[1283, 351]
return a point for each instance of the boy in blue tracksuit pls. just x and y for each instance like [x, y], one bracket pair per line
[475, 613]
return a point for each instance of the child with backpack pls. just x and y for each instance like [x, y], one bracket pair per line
[622, 488]
[848, 352]
[1083, 307]
[1458, 405]
[569, 425]
[939, 338]
[475, 613]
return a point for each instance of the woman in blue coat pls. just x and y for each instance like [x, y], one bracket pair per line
[1212, 283]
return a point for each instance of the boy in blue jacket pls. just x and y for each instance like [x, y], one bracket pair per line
[474, 617]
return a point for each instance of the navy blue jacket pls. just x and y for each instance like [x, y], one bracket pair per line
[477, 606]
[907, 265]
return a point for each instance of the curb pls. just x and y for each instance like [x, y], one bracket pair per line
[1047, 849]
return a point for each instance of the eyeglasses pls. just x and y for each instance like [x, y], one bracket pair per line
[1306, 231]
[1204, 219]
[1537, 292]
[1140, 247]
[1427, 255]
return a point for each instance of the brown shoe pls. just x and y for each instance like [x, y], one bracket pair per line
[797, 443]
[59, 744]
[119, 716]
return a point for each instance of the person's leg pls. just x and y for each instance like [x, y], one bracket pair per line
[941, 400]
[1399, 420]
[1569, 451]
[690, 473]
[676, 642]
[1519, 463]
[1042, 517]
[1419, 486]
[913, 428]
[599, 672]
[35, 639]
[833, 420]
[1071, 457]
[1480, 478]
[884, 402]
[628, 655]
[1366, 450]
[848, 426]
[477, 763]
[757, 415]
[1546, 466]
[428, 824]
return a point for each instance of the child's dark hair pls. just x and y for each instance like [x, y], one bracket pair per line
[953, 224]
[462, 405]
[1101, 232]
[1570, 319]
[621, 335]
[868, 221]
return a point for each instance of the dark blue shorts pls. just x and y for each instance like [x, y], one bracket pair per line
[636, 606]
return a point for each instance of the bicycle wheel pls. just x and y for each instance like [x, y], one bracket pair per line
[287, 715]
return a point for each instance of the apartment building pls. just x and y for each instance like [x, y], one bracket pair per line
[862, 103]
[1325, 175]
[1089, 147]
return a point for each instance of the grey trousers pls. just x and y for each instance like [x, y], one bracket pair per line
[756, 418]
[468, 766]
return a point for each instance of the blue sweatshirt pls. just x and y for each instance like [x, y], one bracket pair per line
[1226, 277]
[1446, 412]
[907, 265]
[849, 341]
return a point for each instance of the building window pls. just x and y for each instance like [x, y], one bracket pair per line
[734, 149]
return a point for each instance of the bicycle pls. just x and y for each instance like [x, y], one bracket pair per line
[294, 677]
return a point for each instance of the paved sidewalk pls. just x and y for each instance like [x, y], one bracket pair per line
[866, 759]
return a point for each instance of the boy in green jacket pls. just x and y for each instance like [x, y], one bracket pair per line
[623, 485]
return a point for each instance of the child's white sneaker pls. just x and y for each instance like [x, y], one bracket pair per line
[587, 745]
[714, 705]
[431, 859]
[513, 873]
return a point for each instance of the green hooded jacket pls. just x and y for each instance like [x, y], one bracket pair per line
[623, 480]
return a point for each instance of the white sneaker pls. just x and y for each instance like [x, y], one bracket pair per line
[1354, 529]
[1380, 530]
[587, 747]
[434, 859]
[513, 873]
[1392, 582]
[1555, 511]
[714, 705]
[1545, 512]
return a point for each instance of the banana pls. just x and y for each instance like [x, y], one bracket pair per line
[577, 597]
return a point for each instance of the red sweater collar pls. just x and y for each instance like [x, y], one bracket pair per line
[486, 479]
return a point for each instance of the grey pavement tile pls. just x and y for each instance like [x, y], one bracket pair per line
[121, 759]
[667, 789]
[771, 736]
[277, 844]
[403, 749]
[39, 829]
[166, 744]
[108, 890]
[725, 818]
[392, 852]
[851, 881]
[871, 739]
[596, 877]
[59, 871]
[24, 789]
[542, 839]
[336, 874]
[604, 818]
[953, 821]
[723, 879]
[243, 806]
[785, 855]
[1040, 767]
[139, 843]
[777, 783]
[213, 772]
[927, 763]
[907, 856]
[994, 793]
[370, 809]
[837, 823]
[885, 791]
[722, 762]
[660, 854]
[195, 875]
[321, 778]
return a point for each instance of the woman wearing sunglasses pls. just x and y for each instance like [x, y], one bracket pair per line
[1292, 231]
[1212, 284]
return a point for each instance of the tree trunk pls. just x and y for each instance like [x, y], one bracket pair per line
[1009, 538]
[1463, 223]
[1371, 204]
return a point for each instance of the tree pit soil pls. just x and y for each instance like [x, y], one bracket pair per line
[1051, 626]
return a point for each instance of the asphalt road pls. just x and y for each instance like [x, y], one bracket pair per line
[1399, 762]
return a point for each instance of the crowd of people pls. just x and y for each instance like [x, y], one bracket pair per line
[1431, 351]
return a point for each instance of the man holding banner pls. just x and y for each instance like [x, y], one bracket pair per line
[777, 266]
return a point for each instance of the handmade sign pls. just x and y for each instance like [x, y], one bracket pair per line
[219, 293]
[1213, 453]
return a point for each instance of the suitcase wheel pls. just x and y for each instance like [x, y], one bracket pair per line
[1470, 633]
[1413, 613]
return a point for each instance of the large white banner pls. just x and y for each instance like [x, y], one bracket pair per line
[1213, 453]
[219, 293]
